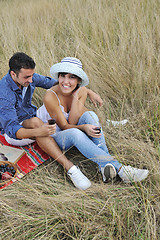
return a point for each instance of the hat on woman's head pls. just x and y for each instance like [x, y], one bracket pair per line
[70, 65]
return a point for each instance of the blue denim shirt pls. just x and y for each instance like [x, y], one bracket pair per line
[15, 109]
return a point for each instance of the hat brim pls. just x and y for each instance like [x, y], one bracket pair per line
[69, 68]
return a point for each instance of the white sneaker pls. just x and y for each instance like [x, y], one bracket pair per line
[108, 172]
[78, 178]
[130, 174]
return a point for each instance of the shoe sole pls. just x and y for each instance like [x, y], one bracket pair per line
[109, 172]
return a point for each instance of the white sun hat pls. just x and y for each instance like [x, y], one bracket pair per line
[70, 65]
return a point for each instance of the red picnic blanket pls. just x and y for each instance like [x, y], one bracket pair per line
[33, 157]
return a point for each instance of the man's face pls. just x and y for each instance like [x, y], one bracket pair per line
[24, 77]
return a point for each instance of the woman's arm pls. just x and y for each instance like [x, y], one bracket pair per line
[54, 110]
[77, 107]
[95, 98]
[52, 105]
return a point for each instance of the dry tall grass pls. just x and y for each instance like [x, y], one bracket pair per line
[118, 43]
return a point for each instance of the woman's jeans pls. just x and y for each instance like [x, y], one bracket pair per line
[94, 149]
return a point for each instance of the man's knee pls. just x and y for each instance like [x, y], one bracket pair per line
[34, 122]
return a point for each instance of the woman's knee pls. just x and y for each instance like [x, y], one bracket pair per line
[90, 117]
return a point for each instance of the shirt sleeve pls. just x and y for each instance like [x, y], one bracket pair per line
[8, 117]
[43, 81]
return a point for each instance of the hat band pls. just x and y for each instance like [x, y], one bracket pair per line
[72, 61]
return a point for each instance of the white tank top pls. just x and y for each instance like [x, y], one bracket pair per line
[44, 115]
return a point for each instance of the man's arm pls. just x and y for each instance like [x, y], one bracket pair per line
[33, 128]
[8, 117]
[43, 81]
[95, 98]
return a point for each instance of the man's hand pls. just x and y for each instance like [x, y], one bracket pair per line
[46, 130]
[95, 98]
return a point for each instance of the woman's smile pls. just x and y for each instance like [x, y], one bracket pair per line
[68, 82]
[66, 86]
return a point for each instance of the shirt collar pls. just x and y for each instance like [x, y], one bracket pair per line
[11, 83]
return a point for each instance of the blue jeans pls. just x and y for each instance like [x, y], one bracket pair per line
[94, 149]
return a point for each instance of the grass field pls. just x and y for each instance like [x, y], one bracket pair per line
[118, 43]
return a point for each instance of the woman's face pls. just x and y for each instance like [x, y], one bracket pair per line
[68, 82]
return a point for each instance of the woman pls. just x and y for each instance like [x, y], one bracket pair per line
[75, 125]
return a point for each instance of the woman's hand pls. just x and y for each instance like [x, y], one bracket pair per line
[91, 130]
[76, 93]
[95, 98]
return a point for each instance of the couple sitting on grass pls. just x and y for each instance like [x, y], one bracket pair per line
[64, 101]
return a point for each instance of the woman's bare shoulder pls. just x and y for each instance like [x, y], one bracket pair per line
[51, 95]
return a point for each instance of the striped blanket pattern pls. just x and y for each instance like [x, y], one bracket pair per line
[33, 157]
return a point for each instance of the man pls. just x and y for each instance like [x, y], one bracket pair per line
[18, 116]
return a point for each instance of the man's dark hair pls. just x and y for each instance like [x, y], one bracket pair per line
[21, 60]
